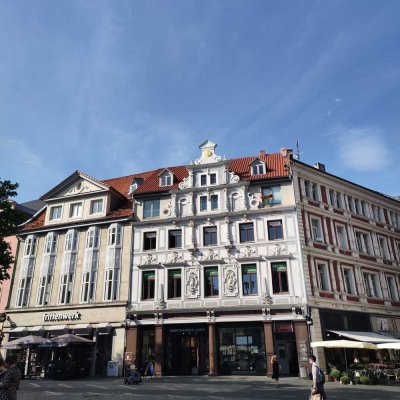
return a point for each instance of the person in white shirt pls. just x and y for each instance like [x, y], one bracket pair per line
[317, 386]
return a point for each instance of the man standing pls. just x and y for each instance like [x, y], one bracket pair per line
[12, 377]
[318, 384]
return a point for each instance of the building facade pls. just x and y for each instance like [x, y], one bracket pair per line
[350, 238]
[217, 281]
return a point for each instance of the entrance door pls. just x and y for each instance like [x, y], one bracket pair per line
[287, 356]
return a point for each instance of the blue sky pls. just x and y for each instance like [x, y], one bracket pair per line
[112, 88]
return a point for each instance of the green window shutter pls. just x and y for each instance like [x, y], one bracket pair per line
[279, 267]
[249, 268]
[212, 271]
[149, 275]
[174, 273]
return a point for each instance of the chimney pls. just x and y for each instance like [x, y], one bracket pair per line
[320, 166]
[261, 153]
[286, 152]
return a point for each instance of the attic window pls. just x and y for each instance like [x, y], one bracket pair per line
[258, 168]
[166, 179]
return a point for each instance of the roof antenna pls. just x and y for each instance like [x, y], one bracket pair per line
[297, 155]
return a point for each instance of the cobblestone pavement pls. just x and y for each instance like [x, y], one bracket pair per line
[194, 388]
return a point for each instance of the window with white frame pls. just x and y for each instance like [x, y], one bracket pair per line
[68, 267]
[271, 195]
[280, 282]
[151, 208]
[339, 200]
[96, 206]
[203, 203]
[65, 289]
[50, 244]
[348, 278]
[23, 291]
[213, 179]
[375, 212]
[311, 190]
[25, 279]
[392, 288]
[75, 210]
[214, 202]
[357, 205]
[90, 263]
[111, 284]
[341, 236]
[381, 215]
[364, 209]
[55, 213]
[30, 246]
[174, 283]
[323, 276]
[371, 284]
[71, 241]
[203, 180]
[44, 290]
[166, 179]
[307, 189]
[363, 241]
[383, 248]
[351, 206]
[316, 230]
[114, 235]
[88, 286]
[258, 168]
[332, 197]
[92, 238]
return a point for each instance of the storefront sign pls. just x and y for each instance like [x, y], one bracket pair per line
[283, 327]
[50, 317]
[187, 330]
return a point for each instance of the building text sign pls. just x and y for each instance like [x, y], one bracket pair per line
[49, 317]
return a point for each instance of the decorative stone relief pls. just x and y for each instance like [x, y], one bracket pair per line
[277, 250]
[149, 259]
[167, 211]
[231, 280]
[174, 258]
[233, 178]
[253, 201]
[210, 255]
[185, 183]
[192, 283]
[78, 188]
[248, 252]
[208, 155]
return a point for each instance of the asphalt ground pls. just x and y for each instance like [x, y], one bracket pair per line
[197, 388]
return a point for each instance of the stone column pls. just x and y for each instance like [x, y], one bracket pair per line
[159, 350]
[132, 342]
[302, 342]
[211, 349]
[269, 345]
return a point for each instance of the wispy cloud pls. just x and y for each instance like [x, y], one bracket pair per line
[362, 149]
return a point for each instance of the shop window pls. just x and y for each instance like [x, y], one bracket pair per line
[151, 208]
[149, 240]
[148, 284]
[55, 213]
[323, 276]
[246, 232]
[174, 238]
[174, 284]
[271, 195]
[65, 289]
[249, 280]
[210, 235]
[275, 230]
[392, 288]
[316, 230]
[211, 284]
[279, 278]
[349, 281]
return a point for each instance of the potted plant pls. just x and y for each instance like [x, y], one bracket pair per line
[336, 374]
[344, 379]
[364, 380]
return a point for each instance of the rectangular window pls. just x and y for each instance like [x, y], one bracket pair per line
[211, 285]
[30, 246]
[383, 248]
[214, 202]
[213, 179]
[315, 192]
[203, 203]
[332, 197]
[246, 232]
[210, 235]
[148, 284]
[114, 235]
[203, 180]
[166, 180]
[371, 284]
[75, 210]
[23, 291]
[174, 238]
[275, 230]
[92, 238]
[44, 290]
[271, 195]
[88, 287]
[174, 284]
[96, 206]
[249, 280]
[339, 200]
[65, 290]
[279, 278]
[364, 209]
[363, 242]
[151, 208]
[392, 288]
[50, 245]
[323, 275]
[71, 241]
[258, 168]
[111, 284]
[55, 213]
[350, 202]
[149, 241]
[341, 236]
[349, 281]
[316, 230]
[307, 187]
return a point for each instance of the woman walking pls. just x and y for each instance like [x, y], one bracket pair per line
[275, 369]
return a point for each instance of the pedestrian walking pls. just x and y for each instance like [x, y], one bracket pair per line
[11, 379]
[275, 369]
[318, 380]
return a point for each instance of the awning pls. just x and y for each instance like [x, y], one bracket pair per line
[82, 329]
[57, 329]
[344, 344]
[388, 346]
[104, 328]
[18, 332]
[36, 328]
[371, 337]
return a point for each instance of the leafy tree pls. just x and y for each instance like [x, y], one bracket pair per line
[10, 218]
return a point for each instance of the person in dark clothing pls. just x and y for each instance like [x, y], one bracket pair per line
[275, 369]
[12, 377]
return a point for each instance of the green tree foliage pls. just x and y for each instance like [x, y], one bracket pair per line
[9, 220]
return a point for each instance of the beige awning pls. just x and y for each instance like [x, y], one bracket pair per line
[371, 337]
[344, 344]
[393, 346]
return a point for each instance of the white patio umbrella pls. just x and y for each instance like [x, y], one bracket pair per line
[344, 344]
[389, 346]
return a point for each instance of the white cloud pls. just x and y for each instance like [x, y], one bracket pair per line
[363, 149]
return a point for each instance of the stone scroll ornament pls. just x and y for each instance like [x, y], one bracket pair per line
[192, 284]
[230, 281]
[149, 259]
[174, 258]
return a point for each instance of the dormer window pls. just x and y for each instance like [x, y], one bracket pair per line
[96, 206]
[258, 167]
[75, 210]
[55, 213]
[166, 179]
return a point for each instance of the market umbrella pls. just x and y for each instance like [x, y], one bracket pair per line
[344, 344]
[65, 340]
[393, 346]
[23, 342]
